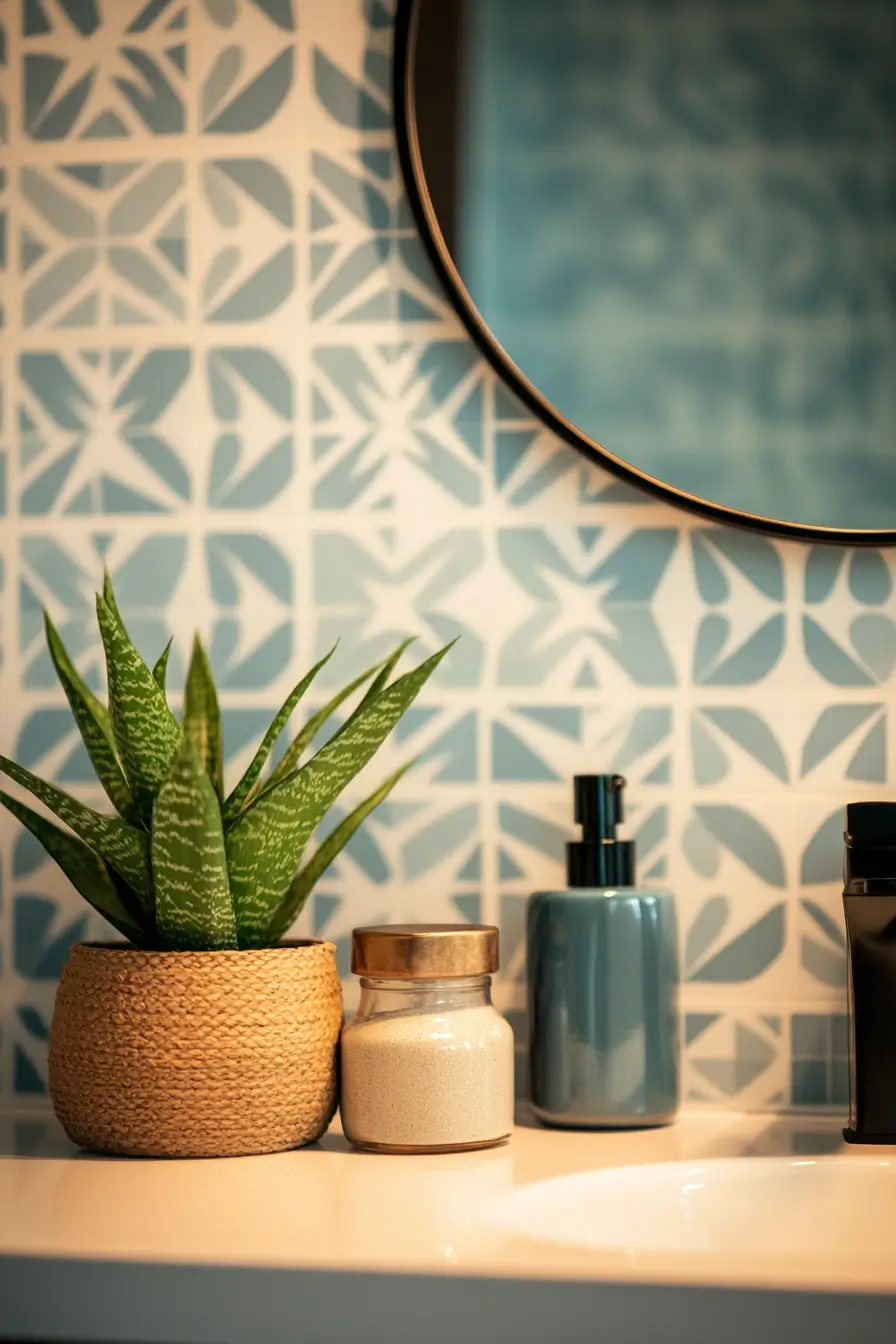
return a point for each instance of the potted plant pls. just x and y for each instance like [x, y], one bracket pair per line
[204, 1034]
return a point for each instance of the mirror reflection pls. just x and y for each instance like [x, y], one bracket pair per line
[678, 220]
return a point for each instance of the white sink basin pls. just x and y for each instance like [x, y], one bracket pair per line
[840, 1210]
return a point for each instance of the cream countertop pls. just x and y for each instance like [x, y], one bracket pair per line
[328, 1208]
[331, 1207]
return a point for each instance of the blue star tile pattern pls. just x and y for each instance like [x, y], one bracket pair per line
[103, 244]
[590, 599]
[104, 74]
[105, 431]
[372, 594]
[397, 422]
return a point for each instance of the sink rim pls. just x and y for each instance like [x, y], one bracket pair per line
[509, 1214]
[858, 1161]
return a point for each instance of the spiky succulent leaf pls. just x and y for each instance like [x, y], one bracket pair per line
[85, 870]
[266, 843]
[94, 725]
[109, 599]
[304, 882]
[146, 732]
[306, 735]
[160, 667]
[202, 716]
[239, 796]
[194, 908]
[121, 845]
[381, 679]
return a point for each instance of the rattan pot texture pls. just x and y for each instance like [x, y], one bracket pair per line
[196, 1054]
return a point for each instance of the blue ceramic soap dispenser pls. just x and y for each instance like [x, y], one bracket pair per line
[603, 976]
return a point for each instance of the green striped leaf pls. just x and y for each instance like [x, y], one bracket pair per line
[293, 754]
[194, 908]
[240, 794]
[146, 732]
[381, 679]
[86, 871]
[94, 725]
[121, 845]
[202, 716]
[266, 843]
[109, 599]
[304, 882]
[160, 668]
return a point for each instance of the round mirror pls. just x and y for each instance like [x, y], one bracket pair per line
[671, 226]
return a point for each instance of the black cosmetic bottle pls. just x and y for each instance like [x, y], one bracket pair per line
[869, 901]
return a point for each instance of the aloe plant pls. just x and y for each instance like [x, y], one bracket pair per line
[185, 865]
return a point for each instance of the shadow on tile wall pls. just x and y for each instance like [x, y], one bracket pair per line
[227, 373]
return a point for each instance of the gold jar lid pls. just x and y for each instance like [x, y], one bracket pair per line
[425, 951]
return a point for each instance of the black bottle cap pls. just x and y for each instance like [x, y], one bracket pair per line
[599, 859]
[870, 838]
[871, 824]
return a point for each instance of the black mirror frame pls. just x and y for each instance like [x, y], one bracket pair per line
[424, 215]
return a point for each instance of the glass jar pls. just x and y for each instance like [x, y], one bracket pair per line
[427, 1061]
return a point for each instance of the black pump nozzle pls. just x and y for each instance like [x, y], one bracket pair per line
[599, 859]
[598, 805]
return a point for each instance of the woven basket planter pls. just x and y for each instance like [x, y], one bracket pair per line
[196, 1054]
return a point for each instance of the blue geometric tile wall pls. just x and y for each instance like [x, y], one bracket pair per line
[228, 374]
[820, 1059]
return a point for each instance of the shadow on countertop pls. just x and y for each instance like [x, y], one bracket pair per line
[39, 1135]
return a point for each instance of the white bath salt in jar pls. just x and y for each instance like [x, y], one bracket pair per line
[427, 1062]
